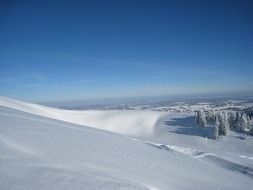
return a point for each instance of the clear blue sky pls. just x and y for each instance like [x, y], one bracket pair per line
[63, 50]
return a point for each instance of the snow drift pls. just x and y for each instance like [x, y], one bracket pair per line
[129, 122]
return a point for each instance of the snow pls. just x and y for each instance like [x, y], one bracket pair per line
[119, 121]
[44, 148]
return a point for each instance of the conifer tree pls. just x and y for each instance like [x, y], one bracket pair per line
[216, 129]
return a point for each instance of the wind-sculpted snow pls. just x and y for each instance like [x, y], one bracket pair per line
[130, 122]
[210, 157]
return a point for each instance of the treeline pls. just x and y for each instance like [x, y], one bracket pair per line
[224, 121]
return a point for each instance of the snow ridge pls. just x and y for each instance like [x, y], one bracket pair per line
[128, 122]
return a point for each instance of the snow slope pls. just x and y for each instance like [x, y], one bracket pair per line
[128, 122]
[41, 153]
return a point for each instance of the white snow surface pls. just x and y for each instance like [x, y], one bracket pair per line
[40, 150]
[130, 122]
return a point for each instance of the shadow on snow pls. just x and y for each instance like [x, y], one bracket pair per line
[186, 126]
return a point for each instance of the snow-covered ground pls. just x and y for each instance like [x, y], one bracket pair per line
[119, 121]
[48, 148]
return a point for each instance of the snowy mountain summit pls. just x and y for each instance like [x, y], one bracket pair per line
[47, 148]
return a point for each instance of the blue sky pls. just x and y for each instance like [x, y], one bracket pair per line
[66, 50]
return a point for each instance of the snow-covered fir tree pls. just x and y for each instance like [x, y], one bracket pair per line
[218, 123]
[223, 123]
[248, 120]
[243, 124]
[216, 128]
[226, 125]
[226, 121]
[237, 119]
[200, 119]
[232, 120]
[210, 116]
